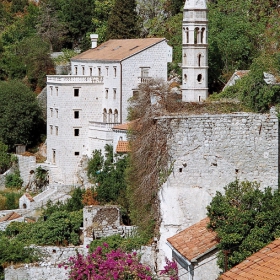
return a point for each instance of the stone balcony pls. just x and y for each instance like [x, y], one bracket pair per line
[72, 79]
[102, 125]
[144, 80]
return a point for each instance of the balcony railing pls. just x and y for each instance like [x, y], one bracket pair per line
[144, 80]
[102, 125]
[74, 79]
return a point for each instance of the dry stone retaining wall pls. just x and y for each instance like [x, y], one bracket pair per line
[209, 152]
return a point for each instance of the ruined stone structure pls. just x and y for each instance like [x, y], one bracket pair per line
[195, 51]
[210, 151]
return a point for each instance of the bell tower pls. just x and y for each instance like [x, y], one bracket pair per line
[195, 51]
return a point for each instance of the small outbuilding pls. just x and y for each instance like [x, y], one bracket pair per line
[26, 201]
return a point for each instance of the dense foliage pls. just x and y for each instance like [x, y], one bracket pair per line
[9, 199]
[21, 117]
[108, 174]
[123, 21]
[245, 220]
[5, 158]
[104, 263]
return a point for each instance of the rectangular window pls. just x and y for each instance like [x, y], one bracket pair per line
[99, 71]
[76, 70]
[76, 114]
[56, 88]
[56, 130]
[115, 93]
[83, 70]
[51, 88]
[51, 129]
[135, 93]
[145, 72]
[106, 93]
[56, 111]
[76, 132]
[76, 92]
[51, 109]
[115, 71]
[77, 153]
[107, 71]
[90, 71]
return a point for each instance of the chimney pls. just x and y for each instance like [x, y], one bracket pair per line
[93, 38]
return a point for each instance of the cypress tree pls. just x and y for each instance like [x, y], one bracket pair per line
[123, 21]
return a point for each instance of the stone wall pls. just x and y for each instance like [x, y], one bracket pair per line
[102, 221]
[46, 269]
[210, 151]
[26, 164]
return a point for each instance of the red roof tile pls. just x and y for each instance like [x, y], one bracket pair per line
[30, 198]
[263, 265]
[123, 147]
[117, 50]
[10, 216]
[195, 240]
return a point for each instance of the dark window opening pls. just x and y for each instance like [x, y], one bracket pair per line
[180, 169]
[76, 132]
[236, 171]
[77, 153]
[199, 78]
[76, 92]
[24, 206]
[76, 114]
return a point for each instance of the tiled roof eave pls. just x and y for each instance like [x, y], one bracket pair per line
[195, 259]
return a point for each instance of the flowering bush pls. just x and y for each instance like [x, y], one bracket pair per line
[171, 270]
[106, 264]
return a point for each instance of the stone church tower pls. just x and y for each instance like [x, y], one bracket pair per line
[195, 51]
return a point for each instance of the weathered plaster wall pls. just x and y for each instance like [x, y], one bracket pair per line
[211, 151]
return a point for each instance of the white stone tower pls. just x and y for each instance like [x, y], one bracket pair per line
[195, 52]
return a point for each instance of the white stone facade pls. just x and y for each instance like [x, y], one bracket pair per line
[210, 151]
[83, 107]
[195, 52]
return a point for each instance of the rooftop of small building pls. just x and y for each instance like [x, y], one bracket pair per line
[194, 241]
[122, 147]
[117, 49]
[9, 217]
[263, 265]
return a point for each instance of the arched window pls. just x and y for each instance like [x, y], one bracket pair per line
[202, 36]
[104, 115]
[187, 35]
[199, 60]
[110, 116]
[116, 116]
[196, 35]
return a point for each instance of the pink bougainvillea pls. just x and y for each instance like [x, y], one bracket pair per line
[103, 264]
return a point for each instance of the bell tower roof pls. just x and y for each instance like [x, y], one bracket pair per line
[195, 4]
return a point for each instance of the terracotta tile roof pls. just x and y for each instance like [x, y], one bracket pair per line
[30, 198]
[241, 73]
[117, 50]
[263, 265]
[122, 126]
[10, 216]
[123, 147]
[195, 240]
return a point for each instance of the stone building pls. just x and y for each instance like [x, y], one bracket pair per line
[195, 51]
[83, 107]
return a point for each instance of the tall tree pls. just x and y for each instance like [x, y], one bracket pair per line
[21, 120]
[123, 22]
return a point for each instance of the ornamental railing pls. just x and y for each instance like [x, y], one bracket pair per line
[74, 79]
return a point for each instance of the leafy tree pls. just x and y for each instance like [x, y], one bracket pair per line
[18, 5]
[21, 117]
[5, 158]
[123, 21]
[245, 220]
[252, 89]
[109, 176]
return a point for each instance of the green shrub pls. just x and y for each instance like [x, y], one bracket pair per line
[13, 180]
